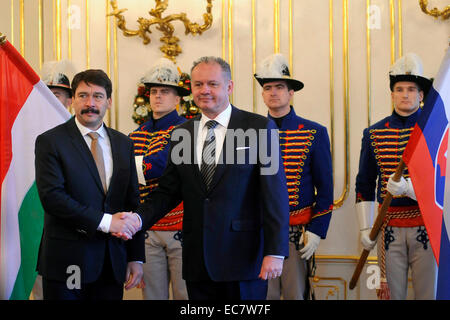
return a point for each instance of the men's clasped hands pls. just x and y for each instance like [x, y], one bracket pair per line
[124, 225]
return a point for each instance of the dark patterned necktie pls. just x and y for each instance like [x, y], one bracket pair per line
[209, 154]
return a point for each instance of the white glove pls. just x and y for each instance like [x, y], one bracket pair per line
[365, 212]
[403, 187]
[312, 243]
[365, 240]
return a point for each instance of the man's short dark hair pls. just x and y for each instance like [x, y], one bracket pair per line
[63, 91]
[289, 85]
[172, 88]
[415, 83]
[94, 76]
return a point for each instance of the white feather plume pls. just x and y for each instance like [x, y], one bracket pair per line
[52, 71]
[410, 63]
[272, 66]
[164, 72]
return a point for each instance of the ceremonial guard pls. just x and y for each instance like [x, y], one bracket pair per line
[305, 149]
[403, 241]
[55, 74]
[151, 140]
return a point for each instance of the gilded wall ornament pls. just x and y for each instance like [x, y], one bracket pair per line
[435, 12]
[170, 46]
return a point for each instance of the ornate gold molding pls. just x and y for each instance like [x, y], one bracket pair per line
[171, 49]
[22, 27]
[41, 32]
[340, 201]
[332, 290]
[88, 35]
[435, 12]
[69, 31]
[276, 26]
[400, 28]
[11, 39]
[58, 31]
[343, 258]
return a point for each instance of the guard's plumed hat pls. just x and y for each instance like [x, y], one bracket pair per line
[275, 68]
[164, 73]
[409, 68]
[55, 74]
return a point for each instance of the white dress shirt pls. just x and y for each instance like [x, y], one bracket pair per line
[105, 144]
[219, 131]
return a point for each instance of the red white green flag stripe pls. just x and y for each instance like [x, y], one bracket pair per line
[27, 108]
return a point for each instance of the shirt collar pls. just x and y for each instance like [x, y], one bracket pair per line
[223, 118]
[84, 130]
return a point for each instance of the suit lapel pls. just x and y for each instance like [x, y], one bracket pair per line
[113, 139]
[83, 150]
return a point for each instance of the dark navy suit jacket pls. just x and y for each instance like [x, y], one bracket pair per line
[73, 199]
[242, 217]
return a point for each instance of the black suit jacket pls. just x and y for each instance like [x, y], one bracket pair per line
[74, 202]
[244, 216]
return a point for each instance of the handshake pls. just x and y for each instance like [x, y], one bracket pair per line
[125, 224]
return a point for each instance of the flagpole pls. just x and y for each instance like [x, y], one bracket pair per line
[2, 39]
[376, 226]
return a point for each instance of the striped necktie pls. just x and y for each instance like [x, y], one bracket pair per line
[209, 154]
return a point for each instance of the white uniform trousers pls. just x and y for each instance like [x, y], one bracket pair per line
[409, 247]
[291, 284]
[163, 266]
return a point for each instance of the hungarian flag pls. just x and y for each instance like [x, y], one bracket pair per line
[427, 159]
[27, 108]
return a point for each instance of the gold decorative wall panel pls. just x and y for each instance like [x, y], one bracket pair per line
[435, 12]
[170, 47]
[22, 28]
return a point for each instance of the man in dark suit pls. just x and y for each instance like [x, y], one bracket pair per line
[236, 211]
[85, 172]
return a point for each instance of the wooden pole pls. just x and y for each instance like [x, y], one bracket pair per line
[376, 226]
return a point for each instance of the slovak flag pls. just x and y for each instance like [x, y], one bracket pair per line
[427, 159]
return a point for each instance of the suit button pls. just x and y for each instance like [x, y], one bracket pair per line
[207, 200]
